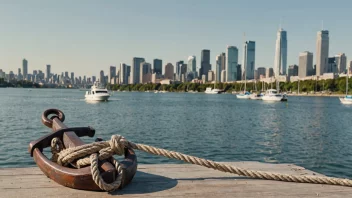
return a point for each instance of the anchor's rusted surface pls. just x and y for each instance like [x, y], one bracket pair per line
[70, 176]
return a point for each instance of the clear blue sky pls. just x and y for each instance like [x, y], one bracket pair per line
[85, 36]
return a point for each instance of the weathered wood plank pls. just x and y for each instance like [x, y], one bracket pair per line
[175, 180]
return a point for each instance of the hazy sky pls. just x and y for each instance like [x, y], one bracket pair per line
[86, 36]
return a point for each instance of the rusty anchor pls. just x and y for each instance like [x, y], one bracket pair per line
[70, 176]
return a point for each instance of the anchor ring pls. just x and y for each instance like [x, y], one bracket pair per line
[56, 114]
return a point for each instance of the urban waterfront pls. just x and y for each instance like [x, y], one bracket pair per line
[313, 132]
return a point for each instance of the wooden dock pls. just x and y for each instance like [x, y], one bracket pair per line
[175, 180]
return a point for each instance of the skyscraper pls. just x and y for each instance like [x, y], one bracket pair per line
[66, 74]
[322, 52]
[123, 78]
[25, 68]
[72, 78]
[305, 64]
[341, 62]
[223, 61]
[218, 68]
[191, 66]
[145, 72]
[169, 71]
[47, 72]
[205, 65]
[248, 65]
[158, 66]
[231, 63]
[269, 72]
[102, 77]
[292, 70]
[261, 72]
[280, 63]
[135, 70]
[112, 73]
[178, 69]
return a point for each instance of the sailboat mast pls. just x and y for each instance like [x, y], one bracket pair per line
[347, 83]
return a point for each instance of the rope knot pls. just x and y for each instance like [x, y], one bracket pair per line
[117, 144]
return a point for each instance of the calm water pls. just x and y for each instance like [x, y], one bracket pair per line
[313, 132]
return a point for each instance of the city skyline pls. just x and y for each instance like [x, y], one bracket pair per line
[64, 40]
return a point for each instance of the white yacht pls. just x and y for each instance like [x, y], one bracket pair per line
[245, 95]
[97, 93]
[273, 95]
[210, 90]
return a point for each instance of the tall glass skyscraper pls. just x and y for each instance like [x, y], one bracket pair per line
[191, 67]
[218, 68]
[25, 68]
[322, 52]
[280, 63]
[231, 63]
[248, 65]
[135, 70]
[158, 66]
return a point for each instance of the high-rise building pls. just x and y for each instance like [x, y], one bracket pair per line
[332, 65]
[73, 78]
[102, 77]
[261, 71]
[269, 72]
[135, 70]
[248, 65]
[112, 73]
[205, 65]
[66, 74]
[47, 72]
[169, 71]
[305, 64]
[341, 63]
[178, 69]
[25, 68]
[218, 68]
[158, 66]
[19, 72]
[280, 62]
[211, 76]
[184, 69]
[94, 78]
[223, 61]
[124, 74]
[231, 63]
[322, 52]
[145, 73]
[223, 76]
[293, 70]
[191, 66]
[239, 72]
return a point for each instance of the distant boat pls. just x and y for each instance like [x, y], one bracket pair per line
[209, 90]
[256, 96]
[348, 98]
[245, 95]
[273, 95]
[97, 93]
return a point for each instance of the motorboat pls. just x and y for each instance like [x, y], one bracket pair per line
[97, 93]
[273, 95]
[255, 96]
[210, 90]
[245, 95]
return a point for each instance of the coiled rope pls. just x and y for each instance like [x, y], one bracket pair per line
[90, 153]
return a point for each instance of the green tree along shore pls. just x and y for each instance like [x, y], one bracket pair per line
[330, 85]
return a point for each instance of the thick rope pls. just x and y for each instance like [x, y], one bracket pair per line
[117, 144]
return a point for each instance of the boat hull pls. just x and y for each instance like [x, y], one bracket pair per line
[345, 101]
[242, 96]
[274, 98]
[97, 97]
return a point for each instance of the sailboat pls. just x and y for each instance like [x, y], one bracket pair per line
[209, 90]
[348, 98]
[245, 94]
[256, 96]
